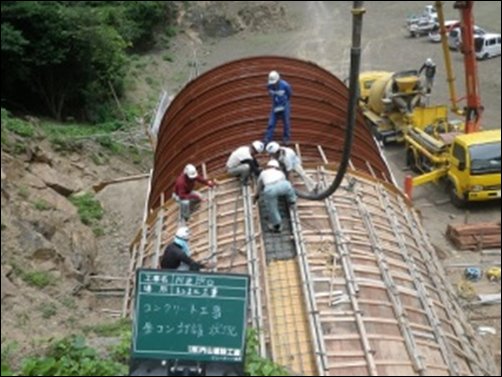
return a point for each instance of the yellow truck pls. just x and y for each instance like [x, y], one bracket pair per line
[470, 163]
[392, 102]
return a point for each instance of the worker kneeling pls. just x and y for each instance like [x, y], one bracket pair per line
[291, 162]
[184, 193]
[242, 161]
[177, 253]
[272, 181]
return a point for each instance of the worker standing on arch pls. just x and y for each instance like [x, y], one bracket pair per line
[280, 92]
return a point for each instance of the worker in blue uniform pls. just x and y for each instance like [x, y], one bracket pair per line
[280, 92]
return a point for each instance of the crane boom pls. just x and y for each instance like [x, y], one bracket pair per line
[474, 108]
[450, 74]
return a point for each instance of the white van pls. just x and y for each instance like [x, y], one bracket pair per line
[455, 36]
[487, 46]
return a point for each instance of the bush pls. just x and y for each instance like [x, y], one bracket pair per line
[42, 205]
[23, 192]
[48, 310]
[171, 31]
[71, 357]
[98, 231]
[108, 143]
[257, 365]
[120, 353]
[39, 279]
[110, 329]
[89, 209]
[168, 57]
[6, 371]
[7, 350]
[18, 126]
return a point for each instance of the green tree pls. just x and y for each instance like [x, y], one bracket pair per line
[58, 55]
[67, 58]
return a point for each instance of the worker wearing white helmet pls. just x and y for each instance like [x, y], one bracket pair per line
[184, 192]
[243, 161]
[280, 92]
[430, 73]
[177, 254]
[273, 183]
[290, 161]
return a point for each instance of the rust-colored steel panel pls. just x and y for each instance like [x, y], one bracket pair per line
[229, 106]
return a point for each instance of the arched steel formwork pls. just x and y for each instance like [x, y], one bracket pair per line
[229, 106]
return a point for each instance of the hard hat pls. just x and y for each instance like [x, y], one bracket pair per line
[258, 146]
[273, 147]
[183, 233]
[273, 77]
[493, 273]
[190, 171]
[273, 164]
[473, 273]
[429, 62]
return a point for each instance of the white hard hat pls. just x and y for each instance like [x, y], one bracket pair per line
[273, 164]
[273, 77]
[429, 62]
[273, 147]
[183, 233]
[258, 146]
[191, 171]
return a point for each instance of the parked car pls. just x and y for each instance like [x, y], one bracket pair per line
[429, 13]
[435, 35]
[423, 27]
[487, 45]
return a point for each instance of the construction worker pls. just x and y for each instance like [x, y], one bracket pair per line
[177, 253]
[273, 183]
[289, 161]
[280, 92]
[184, 193]
[430, 73]
[242, 161]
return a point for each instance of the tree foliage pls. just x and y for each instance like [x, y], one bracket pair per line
[66, 58]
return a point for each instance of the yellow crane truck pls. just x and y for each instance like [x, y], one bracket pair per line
[393, 102]
[470, 163]
[468, 158]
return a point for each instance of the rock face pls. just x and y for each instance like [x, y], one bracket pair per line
[41, 228]
[48, 254]
[58, 182]
[8, 289]
[219, 19]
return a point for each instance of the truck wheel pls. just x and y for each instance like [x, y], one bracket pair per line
[485, 56]
[455, 200]
[411, 161]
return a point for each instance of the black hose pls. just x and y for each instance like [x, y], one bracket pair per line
[355, 63]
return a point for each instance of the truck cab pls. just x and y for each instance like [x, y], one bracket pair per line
[474, 173]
